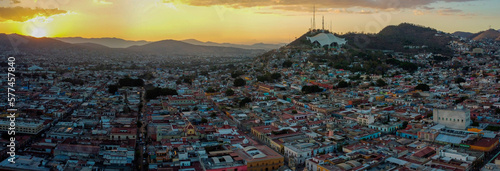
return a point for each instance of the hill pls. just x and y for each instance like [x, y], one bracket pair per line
[486, 35]
[173, 47]
[463, 34]
[403, 38]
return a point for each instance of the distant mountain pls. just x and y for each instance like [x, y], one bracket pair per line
[121, 43]
[399, 38]
[109, 42]
[92, 45]
[263, 46]
[30, 43]
[486, 35]
[463, 34]
[165, 47]
[174, 47]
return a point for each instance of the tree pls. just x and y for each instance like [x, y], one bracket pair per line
[287, 64]
[139, 124]
[459, 80]
[294, 111]
[239, 82]
[236, 74]
[405, 124]
[229, 92]
[311, 89]
[243, 102]
[155, 92]
[381, 82]
[275, 76]
[127, 81]
[343, 84]
[423, 87]
[213, 115]
[203, 120]
[112, 89]
[210, 90]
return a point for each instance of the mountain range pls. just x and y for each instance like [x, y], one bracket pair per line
[121, 43]
[164, 47]
[174, 47]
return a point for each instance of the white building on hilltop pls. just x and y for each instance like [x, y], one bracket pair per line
[327, 39]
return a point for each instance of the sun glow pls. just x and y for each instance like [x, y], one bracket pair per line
[38, 32]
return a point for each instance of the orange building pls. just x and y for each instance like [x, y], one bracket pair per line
[485, 144]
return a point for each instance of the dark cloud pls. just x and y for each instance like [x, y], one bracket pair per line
[15, 1]
[308, 9]
[374, 4]
[21, 14]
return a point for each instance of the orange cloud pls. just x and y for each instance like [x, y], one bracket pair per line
[21, 14]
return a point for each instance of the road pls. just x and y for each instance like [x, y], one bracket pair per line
[140, 140]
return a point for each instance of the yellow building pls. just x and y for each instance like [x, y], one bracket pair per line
[261, 158]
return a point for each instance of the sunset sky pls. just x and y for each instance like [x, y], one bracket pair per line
[235, 21]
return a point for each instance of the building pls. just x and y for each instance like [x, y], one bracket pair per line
[32, 127]
[452, 118]
[223, 163]
[123, 133]
[327, 39]
[260, 158]
[366, 119]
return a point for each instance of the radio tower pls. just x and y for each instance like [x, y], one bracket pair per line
[323, 23]
[314, 17]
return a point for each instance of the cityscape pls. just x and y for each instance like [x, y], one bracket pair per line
[310, 92]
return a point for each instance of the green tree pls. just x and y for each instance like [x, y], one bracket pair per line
[343, 84]
[112, 89]
[243, 102]
[287, 64]
[229, 92]
[381, 82]
[405, 124]
[459, 80]
[311, 89]
[203, 120]
[423, 87]
[239, 82]
[210, 90]
[275, 76]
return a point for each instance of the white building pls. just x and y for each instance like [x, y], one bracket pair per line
[327, 39]
[452, 118]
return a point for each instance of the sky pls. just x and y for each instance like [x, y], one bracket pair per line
[236, 21]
